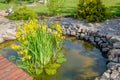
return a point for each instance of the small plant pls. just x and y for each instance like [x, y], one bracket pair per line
[92, 11]
[23, 13]
[54, 6]
[39, 47]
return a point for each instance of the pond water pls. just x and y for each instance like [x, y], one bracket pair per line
[84, 62]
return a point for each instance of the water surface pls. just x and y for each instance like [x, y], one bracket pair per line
[84, 62]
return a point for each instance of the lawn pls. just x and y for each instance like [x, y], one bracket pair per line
[69, 7]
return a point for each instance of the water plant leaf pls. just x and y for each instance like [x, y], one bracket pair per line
[60, 55]
[53, 66]
[39, 71]
[61, 60]
[12, 58]
[50, 71]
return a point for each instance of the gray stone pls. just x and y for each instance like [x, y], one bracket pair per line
[116, 59]
[86, 38]
[106, 75]
[73, 33]
[113, 68]
[82, 35]
[105, 50]
[110, 57]
[108, 71]
[115, 39]
[119, 69]
[68, 32]
[116, 45]
[91, 38]
[115, 52]
[111, 64]
[109, 36]
[114, 74]
[79, 30]
[97, 39]
[100, 42]
[1, 40]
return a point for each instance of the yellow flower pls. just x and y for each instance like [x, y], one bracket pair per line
[18, 33]
[26, 51]
[25, 42]
[23, 58]
[44, 28]
[21, 52]
[63, 37]
[29, 57]
[15, 47]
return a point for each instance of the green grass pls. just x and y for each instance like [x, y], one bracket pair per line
[69, 7]
[113, 6]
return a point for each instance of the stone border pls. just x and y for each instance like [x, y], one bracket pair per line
[105, 44]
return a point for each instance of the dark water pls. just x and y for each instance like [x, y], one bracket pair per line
[84, 62]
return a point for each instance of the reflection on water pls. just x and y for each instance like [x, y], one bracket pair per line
[84, 62]
[5, 49]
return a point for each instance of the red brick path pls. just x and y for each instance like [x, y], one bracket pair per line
[9, 71]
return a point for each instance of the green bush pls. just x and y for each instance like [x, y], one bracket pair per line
[23, 13]
[92, 11]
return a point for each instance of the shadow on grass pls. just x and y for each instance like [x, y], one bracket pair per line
[115, 10]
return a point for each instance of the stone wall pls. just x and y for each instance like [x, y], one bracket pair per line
[108, 45]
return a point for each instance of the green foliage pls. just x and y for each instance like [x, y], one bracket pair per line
[54, 6]
[8, 1]
[23, 13]
[39, 52]
[92, 11]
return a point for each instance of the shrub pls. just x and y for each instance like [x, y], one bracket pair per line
[92, 11]
[40, 51]
[23, 13]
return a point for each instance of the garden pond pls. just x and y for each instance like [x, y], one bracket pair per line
[84, 62]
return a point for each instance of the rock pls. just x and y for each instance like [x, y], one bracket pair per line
[116, 59]
[116, 45]
[105, 50]
[118, 69]
[110, 57]
[115, 52]
[91, 38]
[86, 38]
[104, 39]
[97, 39]
[100, 42]
[111, 64]
[97, 78]
[115, 39]
[68, 32]
[73, 33]
[113, 68]
[64, 32]
[11, 32]
[106, 75]
[108, 71]
[1, 40]
[5, 37]
[109, 36]
[103, 45]
[82, 35]
[114, 74]
[79, 30]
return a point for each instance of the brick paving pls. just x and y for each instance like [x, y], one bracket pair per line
[9, 71]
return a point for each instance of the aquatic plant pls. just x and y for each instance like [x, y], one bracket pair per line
[39, 47]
